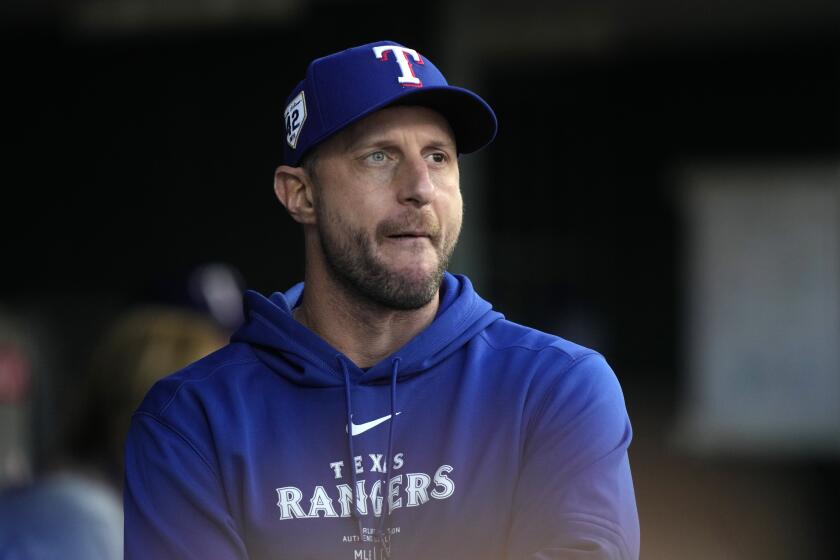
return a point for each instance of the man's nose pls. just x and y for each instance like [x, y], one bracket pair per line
[416, 183]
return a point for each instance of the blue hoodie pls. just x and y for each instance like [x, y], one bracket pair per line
[479, 439]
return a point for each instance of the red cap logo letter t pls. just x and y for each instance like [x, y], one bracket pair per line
[401, 54]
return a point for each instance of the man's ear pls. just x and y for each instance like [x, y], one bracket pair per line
[295, 190]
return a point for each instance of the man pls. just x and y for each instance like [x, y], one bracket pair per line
[384, 410]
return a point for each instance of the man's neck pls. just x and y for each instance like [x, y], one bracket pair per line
[364, 331]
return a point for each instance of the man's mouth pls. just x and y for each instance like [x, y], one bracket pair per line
[409, 235]
[410, 228]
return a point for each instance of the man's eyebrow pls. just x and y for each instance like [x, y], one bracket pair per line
[442, 143]
[354, 136]
[360, 140]
[354, 139]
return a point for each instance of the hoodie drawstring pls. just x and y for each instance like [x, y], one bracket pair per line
[386, 492]
[385, 488]
[354, 508]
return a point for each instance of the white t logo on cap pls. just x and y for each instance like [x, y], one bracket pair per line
[407, 78]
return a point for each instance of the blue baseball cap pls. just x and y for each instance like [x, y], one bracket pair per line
[341, 88]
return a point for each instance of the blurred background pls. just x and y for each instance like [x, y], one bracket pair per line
[665, 187]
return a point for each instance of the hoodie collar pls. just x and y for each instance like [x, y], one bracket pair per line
[296, 352]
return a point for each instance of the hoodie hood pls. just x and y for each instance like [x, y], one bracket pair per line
[280, 341]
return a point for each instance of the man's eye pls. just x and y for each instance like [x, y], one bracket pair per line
[377, 157]
[438, 157]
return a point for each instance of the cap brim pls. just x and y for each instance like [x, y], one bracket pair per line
[471, 118]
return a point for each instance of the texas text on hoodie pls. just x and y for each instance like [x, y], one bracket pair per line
[479, 439]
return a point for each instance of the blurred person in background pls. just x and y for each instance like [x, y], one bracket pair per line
[140, 347]
[72, 510]
[187, 316]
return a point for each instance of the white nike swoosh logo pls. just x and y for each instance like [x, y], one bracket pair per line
[356, 429]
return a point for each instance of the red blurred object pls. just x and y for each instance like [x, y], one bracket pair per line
[14, 375]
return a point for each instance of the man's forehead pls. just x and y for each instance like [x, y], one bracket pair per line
[394, 120]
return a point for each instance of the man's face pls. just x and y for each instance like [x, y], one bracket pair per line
[389, 205]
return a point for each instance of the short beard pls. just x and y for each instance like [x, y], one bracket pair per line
[352, 262]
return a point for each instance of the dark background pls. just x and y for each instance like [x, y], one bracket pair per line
[136, 149]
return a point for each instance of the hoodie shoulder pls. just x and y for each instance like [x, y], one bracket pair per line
[552, 367]
[203, 375]
[507, 335]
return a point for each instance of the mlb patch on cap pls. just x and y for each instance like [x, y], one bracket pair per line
[341, 88]
[295, 116]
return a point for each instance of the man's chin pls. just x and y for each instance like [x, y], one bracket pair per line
[415, 278]
[410, 289]
[422, 263]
